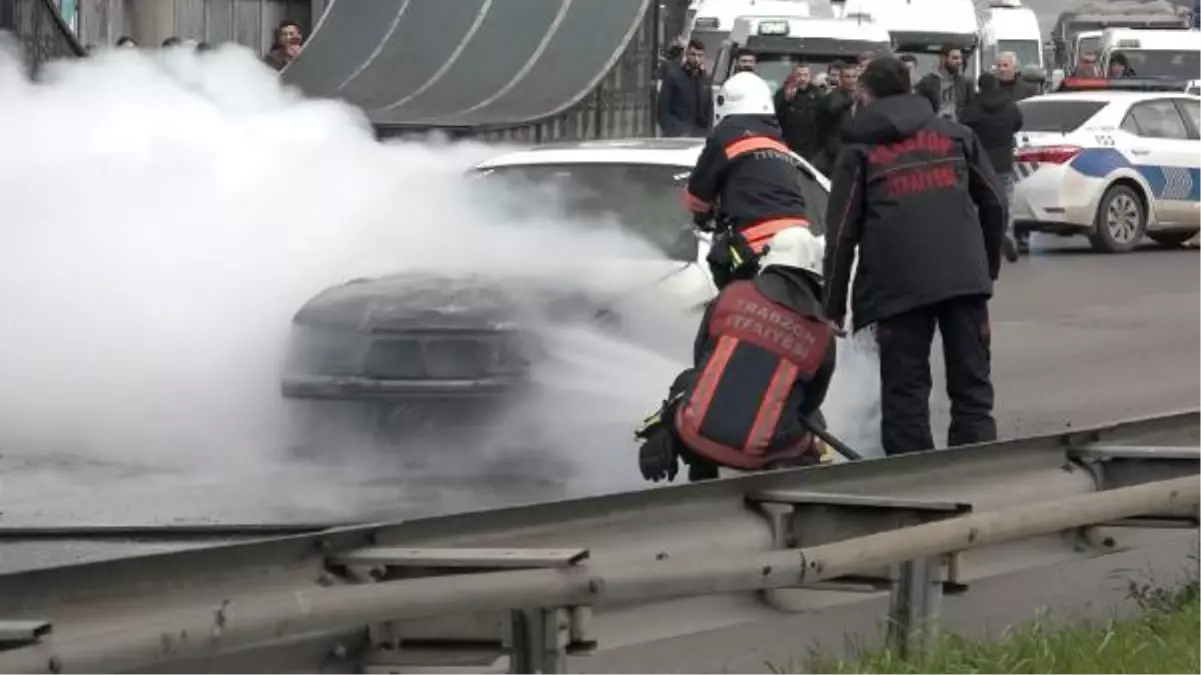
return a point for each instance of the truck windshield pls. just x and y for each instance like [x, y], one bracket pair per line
[1182, 64]
[1027, 51]
[1088, 45]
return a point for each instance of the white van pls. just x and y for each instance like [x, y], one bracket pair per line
[780, 42]
[1174, 54]
[1012, 27]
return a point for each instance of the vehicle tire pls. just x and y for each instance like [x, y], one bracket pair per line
[1171, 239]
[1121, 221]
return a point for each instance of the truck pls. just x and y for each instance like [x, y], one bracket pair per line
[712, 20]
[780, 42]
[1078, 30]
[924, 28]
[1167, 54]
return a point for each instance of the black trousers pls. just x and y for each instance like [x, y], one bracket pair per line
[904, 342]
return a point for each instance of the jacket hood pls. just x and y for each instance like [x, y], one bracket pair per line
[890, 119]
[993, 100]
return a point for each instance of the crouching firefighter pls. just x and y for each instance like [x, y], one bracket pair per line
[746, 183]
[763, 360]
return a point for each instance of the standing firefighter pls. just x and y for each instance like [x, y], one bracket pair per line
[917, 196]
[763, 359]
[747, 169]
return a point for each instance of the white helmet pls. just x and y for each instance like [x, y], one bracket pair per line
[744, 93]
[795, 247]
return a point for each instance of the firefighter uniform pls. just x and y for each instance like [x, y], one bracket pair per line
[764, 357]
[746, 179]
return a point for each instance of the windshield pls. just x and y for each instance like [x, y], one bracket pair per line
[712, 40]
[1057, 116]
[643, 198]
[1088, 45]
[928, 63]
[1183, 64]
[775, 68]
[1028, 51]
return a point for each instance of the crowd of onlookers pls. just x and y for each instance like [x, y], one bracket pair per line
[815, 109]
[286, 44]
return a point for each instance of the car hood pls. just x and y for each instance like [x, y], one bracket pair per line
[491, 301]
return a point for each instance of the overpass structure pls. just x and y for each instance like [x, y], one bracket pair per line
[527, 70]
[40, 30]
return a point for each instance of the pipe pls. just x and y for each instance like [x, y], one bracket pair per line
[230, 624]
[164, 533]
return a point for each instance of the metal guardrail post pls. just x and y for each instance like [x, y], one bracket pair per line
[540, 638]
[914, 606]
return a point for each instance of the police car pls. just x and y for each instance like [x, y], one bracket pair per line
[1115, 160]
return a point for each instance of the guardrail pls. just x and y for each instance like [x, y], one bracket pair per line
[385, 597]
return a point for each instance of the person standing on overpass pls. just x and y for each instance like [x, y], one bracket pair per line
[917, 196]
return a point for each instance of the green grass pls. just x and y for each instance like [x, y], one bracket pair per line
[1162, 638]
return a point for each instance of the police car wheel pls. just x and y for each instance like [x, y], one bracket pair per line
[1171, 239]
[1121, 221]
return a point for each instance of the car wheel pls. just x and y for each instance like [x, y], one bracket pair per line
[1171, 239]
[1121, 221]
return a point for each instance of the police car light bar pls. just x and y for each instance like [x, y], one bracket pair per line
[1077, 83]
[773, 28]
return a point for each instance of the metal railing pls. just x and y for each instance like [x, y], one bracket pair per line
[536, 580]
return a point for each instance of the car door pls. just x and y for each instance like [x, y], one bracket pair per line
[1191, 109]
[1158, 143]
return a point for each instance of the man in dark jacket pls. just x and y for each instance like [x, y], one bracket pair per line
[916, 195]
[746, 180]
[948, 85]
[763, 361]
[797, 105]
[995, 118]
[834, 115]
[685, 96]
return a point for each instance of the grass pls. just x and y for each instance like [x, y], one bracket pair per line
[1162, 638]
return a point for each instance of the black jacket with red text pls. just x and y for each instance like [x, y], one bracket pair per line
[747, 169]
[764, 356]
[919, 198]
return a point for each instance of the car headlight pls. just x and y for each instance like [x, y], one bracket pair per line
[325, 350]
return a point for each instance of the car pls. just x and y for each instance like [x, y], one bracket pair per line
[1115, 160]
[449, 353]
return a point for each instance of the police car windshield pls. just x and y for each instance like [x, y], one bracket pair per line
[644, 199]
[1182, 64]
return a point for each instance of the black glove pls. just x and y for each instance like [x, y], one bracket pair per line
[657, 458]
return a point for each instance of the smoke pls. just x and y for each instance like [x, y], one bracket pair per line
[165, 215]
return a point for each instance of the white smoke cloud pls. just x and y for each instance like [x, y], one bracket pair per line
[164, 215]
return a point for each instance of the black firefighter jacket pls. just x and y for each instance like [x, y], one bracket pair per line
[747, 172]
[764, 356]
[996, 119]
[905, 192]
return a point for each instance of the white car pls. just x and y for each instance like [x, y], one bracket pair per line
[437, 345]
[1115, 165]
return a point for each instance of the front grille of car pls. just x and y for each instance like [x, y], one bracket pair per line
[443, 356]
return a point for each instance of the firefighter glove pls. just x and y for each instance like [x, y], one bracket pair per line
[657, 458]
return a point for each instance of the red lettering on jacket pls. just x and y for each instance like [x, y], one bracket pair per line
[919, 179]
[926, 142]
[799, 340]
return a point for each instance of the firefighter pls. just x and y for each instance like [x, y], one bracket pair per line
[763, 360]
[917, 197]
[746, 179]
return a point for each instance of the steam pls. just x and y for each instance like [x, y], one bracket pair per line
[165, 215]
